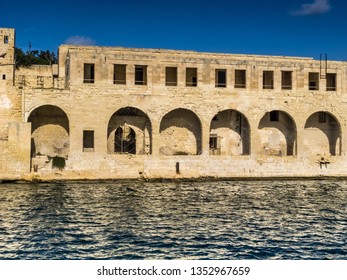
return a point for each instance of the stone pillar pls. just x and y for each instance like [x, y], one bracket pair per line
[205, 139]
[300, 126]
[155, 139]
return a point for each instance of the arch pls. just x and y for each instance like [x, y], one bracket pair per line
[181, 133]
[125, 140]
[49, 132]
[129, 131]
[322, 134]
[278, 134]
[229, 133]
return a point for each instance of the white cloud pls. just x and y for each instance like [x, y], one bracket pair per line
[316, 8]
[80, 40]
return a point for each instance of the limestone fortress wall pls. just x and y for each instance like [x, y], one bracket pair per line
[111, 112]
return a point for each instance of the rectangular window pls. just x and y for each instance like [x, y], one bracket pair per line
[331, 82]
[213, 141]
[286, 79]
[4, 77]
[140, 74]
[40, 81]
[313, 81]
[191, 77]
[268, 79]
[274, 116]
[171, 76]
[119, 74]
[5, 39]
[88, 140]
[240, 78]
[221, 77]
[214, 145]
[322, 117]
[88, 76]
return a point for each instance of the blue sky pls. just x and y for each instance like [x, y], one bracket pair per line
[271, 27]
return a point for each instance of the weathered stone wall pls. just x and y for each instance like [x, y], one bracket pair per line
[14, 134]
[10, 98]
[35, 76]
[181, 117]
[15, 151]
[263, 130]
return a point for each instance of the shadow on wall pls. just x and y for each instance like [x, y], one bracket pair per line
[129, 131]
[180, 132]
[229, 134]
[49, 132]
[277, 134]
[322, 135]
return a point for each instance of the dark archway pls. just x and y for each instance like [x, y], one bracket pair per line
[49, 132]
[278, 136]
[125, 141]
[129, 131]
[322, 134]
[180, 132]
[229, 134]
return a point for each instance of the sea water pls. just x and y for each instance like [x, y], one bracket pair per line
[174, 220]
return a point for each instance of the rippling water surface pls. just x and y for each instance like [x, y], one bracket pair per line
[175, 220]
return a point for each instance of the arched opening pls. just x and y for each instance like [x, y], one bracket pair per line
[277, 131]
[49, 134]
[125, 140]
[129, 131]
[180, 132]
[322, 135]
[229, 134]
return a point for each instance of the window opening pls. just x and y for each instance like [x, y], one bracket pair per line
[268, 79]
[313, 81]
[322, 117]
[286, 80]
[40, 81]
[88, 73]
[125, 140]
[240, 78]
[331, 81]
[274, 116]
[140, 75]
[5, 39]
[119, 74]
[171, 76]
[191, 77]
[88, 140]
[221, 77]
[214, 144]
[4, 76]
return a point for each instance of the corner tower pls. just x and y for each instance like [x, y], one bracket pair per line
[7, 46]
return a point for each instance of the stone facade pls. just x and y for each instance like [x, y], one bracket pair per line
[111, 112]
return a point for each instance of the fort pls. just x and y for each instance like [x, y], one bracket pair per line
[113, 112]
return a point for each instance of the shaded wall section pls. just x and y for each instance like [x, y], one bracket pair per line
[322, 135]
[277, 132]
[49, 132]
[180, 132]
[129, 131]
[229, 134]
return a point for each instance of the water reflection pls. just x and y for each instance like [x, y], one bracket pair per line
[202, 220]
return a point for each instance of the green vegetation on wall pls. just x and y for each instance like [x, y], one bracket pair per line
[58, 162]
